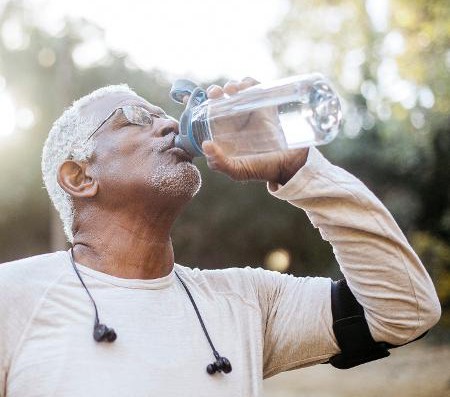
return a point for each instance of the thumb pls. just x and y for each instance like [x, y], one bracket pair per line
[217, 161]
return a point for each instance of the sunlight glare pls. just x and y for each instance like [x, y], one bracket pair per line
[378, 11]
[25, 118]
[7, 115]
[165, 35]
[89, 53]
[13, 36]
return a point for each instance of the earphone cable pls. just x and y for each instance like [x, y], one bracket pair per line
[72, 259]
[216, 354]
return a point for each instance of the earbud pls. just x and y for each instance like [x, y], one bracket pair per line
[104, 334]
[221, 364]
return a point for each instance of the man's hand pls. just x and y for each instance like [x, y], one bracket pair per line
[277, 166]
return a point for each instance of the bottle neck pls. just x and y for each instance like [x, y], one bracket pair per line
[194, 129]
[200, 130]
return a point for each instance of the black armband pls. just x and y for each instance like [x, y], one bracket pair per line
[352, 331]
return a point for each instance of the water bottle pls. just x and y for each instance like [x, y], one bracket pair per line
[294, 112]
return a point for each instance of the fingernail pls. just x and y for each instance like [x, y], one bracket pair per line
[212, 87]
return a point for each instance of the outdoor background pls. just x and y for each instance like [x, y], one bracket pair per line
[388, 59]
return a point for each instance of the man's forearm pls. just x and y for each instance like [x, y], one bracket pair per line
[382, 270]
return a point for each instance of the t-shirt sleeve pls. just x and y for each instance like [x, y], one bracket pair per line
[297, 320]
[382, 270]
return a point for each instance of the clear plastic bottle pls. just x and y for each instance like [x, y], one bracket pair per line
[299, 111]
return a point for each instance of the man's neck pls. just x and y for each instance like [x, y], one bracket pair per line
[125, 246]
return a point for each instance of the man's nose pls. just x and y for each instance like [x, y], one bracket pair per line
[165, 126]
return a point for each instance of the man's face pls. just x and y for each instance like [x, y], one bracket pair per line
[139, 162]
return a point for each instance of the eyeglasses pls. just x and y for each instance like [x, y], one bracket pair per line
[136, 115]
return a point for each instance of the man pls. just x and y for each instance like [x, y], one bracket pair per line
[112, 172]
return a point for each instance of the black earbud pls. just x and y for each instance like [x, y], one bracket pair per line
[221, 364]
[104, 334]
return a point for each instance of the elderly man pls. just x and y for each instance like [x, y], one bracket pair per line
[113, 173]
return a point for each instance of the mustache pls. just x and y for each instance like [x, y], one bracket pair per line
[168, 142]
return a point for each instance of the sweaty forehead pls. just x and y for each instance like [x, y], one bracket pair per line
[101, 108]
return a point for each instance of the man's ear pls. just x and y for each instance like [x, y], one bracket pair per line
[75, 180]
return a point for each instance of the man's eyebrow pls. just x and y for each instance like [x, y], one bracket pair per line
[161, 113]
[158, 111]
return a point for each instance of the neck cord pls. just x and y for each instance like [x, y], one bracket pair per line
[103, 333]
[216, 354]
[72, 259]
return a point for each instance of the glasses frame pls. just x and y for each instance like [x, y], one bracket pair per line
[152, 116]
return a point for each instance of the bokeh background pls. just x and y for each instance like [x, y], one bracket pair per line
[388, 59]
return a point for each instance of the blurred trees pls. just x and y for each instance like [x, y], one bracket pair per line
[390, 60]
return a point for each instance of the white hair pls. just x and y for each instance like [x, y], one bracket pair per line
[67, 140]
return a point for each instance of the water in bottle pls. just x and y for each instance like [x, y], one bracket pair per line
[296, 112]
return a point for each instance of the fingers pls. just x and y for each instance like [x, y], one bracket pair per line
[214, 156]
[236, 169]
[247, 82]
[214, 91]
[230, 88]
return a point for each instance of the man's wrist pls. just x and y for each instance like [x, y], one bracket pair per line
[293, 163]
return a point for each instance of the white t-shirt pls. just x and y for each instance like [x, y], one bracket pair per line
[263, 322]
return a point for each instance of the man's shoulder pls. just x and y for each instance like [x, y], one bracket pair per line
[242, 281]
[23, 284]
[228, 273]
[249, 281]
[35, 270]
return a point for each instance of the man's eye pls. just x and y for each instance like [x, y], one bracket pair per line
[121, 122]
[145, 118]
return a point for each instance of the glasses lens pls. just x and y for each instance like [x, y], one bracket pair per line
[138, 115]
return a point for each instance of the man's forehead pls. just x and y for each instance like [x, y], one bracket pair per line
[101, 108]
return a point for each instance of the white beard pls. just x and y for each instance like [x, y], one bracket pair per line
[182, 180]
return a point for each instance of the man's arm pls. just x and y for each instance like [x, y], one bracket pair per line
[383, 272]
[381, 269]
